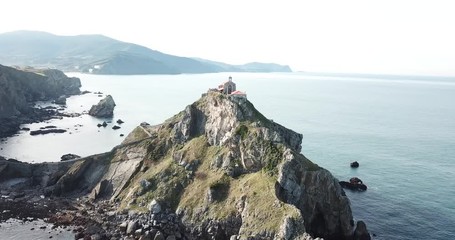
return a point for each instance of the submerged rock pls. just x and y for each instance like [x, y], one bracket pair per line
[47, 131]
[105, 108]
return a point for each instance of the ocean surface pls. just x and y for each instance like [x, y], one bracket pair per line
[400, 129]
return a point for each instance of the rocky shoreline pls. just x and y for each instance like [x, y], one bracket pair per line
[101, 220]
[21, 88]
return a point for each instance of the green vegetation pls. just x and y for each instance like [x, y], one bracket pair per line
[220, 188]
[257, 115]
[195, 149]
[136, 135]
[167, 185]
[242, 131]
[273, 157]
[307, 164]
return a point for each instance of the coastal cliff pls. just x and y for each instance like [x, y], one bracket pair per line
[217, 170]
[20, 89]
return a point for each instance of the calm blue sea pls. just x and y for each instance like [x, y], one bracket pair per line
[401, 130]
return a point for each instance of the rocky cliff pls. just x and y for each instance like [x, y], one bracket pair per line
[217, 170]
[19, 90]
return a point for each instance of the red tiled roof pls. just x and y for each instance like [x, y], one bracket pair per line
[238, 93]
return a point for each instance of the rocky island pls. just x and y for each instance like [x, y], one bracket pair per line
[104, 108]
[217, 170]
[21, 88]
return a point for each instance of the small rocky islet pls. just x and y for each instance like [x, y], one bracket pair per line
[217, 170]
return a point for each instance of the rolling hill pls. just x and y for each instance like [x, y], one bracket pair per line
[99, 54]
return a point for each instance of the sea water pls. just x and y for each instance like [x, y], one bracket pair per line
[401, 130]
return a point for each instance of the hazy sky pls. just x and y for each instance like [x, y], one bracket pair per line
[382, 36]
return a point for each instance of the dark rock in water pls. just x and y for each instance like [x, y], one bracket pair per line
[361, 232]
[71, 115]
[355, 180]
[105, 108]
[115, 127]
[121, 135]
[48, 127]
[69, 156]
[355, 164]
[104, 124]
[85, 92]
[25, 129]
[120, 121]
[354, 184]
[61, 100]
[47, 131]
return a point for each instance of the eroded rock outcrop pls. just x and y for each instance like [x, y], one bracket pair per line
[217, 170]
[19, 89]
[105, 107]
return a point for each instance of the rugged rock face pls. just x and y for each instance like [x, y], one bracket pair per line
[105, 108]
[20, 89]
[220, 169]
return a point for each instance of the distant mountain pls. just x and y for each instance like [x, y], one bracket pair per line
[249, 67]
[99, 54]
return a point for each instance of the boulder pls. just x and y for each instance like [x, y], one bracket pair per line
[132, 226]
[105, 108]
[159, 236]
[102, 189]
[146, 236]
[123, 226]
[115, 127]
[154, 207]
[120, 121]
[355, 164]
